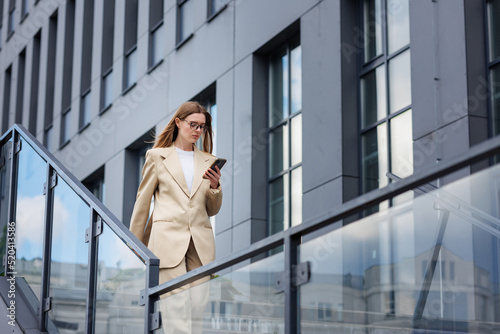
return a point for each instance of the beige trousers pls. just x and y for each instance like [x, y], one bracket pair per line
[182, 309]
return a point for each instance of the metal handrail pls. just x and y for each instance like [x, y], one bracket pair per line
[114, 223]
[98, 210]
[477, 153]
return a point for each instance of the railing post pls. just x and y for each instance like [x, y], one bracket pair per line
[291, 295]
[91, 237]
[152, 271]
[44, 302]
[11, 207]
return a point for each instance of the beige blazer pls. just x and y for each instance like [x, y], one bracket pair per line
[178, 214]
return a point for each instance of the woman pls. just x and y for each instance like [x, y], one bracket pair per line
[186, 192]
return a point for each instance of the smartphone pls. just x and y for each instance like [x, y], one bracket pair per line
[219, 163]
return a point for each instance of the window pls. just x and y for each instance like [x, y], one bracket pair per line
[35, 72]
[130, 69]
[207, 99]
[65, 127]
[493, 7]
[107, 90]
[20, 87]
[24, 9]
[69, 35]
[95, 183]
[6, 99]
[12, 13]
[135, 156]
[156, 31]
[215, 6]
[86, 70]
[285, 138]
[85, 110]
[49, 84]
[130, 45]
[1, 22]
[185, 18]
[107, 54]
[385, 92]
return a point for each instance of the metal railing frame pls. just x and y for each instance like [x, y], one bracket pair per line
[291, 238]
[97, 212]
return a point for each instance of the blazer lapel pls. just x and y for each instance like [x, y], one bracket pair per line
[201, 163]
[173, 165]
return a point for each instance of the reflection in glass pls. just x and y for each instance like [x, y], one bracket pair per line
[4, 199]
[69, 260]
[278, 150]
[398, 24]
[279, 94]
[494, 28]
[131, 69]
[242, 301]
[373, 96]
[296, 79]
[367, 276]
[296, 206]
[157, 38]
[372, 24]
[400, 81]
[495, 97]
[374, 158]
[120, 278]
[402, 145]
[30, 214]
[296, 140]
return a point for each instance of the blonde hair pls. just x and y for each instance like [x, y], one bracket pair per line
[170, 132]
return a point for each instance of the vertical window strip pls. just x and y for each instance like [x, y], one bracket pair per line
[385, 91]
[493, 14]
[6, 99]
[35, 75]
[156, 31]
[50, 81]
[69, 37]
[11, 23]
[107, 54]
[86, 71]
[285, 139]
[20, 87]
[130, 44]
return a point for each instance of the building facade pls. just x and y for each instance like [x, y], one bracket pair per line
[313, 101]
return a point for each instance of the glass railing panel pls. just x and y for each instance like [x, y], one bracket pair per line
[4, 199]
[30, 213]
[244, 300]
[370, 276]
[69, 260]
[121, 275]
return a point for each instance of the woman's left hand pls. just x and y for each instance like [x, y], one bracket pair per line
[213, 176]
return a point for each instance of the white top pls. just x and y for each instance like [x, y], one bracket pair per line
[187, 163]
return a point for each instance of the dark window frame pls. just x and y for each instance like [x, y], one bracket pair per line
[491, 63]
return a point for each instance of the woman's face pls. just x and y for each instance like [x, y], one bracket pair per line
[186, 133]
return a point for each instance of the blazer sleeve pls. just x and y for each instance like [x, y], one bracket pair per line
[143, 200]
[214, 200]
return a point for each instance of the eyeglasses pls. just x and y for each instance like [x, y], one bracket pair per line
[195, 126]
